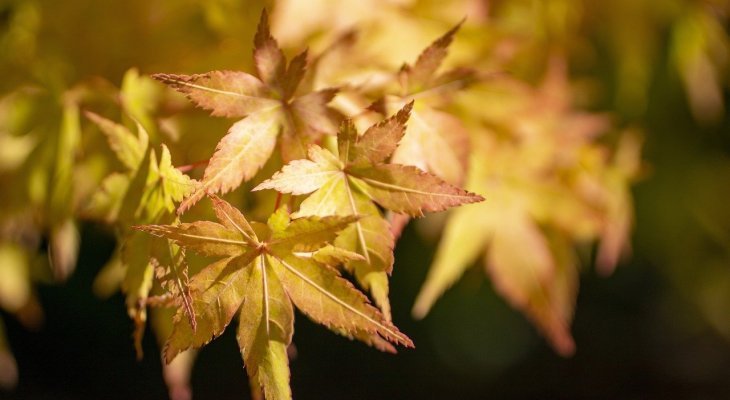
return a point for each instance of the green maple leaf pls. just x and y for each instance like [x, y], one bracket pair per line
[269, 109]
[147, 192]
[352, 182]
[264, 269]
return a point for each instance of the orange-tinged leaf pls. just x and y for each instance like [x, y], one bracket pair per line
[264, 270]
[224, 93]
[407, 189]
[349, 186]
[233, 219]
[530, 280]
[268, 57]
[429, 61]
[381, 140]
[294, 74]
[217, 293]
[435, 142]
[205, 237]
[312, 113]
[269, 110]
[333, 301]
[239, 155]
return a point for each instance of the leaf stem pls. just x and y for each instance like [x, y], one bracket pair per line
[189, 167]
[278, 201]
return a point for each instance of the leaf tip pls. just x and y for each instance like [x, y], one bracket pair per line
[263, 33]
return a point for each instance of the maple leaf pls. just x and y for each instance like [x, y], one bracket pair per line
[528, 230]
[260, 275]
[435, 141]
[147, 192]
[351, 182]
[518, 257]
[269, 109]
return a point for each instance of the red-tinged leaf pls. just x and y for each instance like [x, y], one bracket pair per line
[381, 140]
[531, 281]
[429, 61]
[217, 293]
[204, 237]
[266, 102]
[224, 93]
[233, 219]
[349, 186]
[398, 223]
[615, 235]
[312, 114]
[172, 273]
[239, 155]
[409, 190]
[333, 301]
[293, 146]
[268, 57]
[263, 272]
[294, 74]
[435, 142]
[369, 237]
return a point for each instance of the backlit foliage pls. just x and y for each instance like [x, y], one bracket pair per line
[360, 117]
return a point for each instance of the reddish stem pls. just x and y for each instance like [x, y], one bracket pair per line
[278, 201]
[189, 167]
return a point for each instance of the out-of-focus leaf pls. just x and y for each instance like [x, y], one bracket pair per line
[700, 49]
[64, 249]
[140, 96]
[109, 280]
[15, 290]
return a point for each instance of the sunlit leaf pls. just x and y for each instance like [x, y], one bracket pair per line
[260, 273]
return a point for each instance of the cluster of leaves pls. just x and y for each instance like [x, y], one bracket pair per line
[355, 143]
[264, 269]
[552, 186]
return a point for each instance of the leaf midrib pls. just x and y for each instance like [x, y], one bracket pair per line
[342, 303]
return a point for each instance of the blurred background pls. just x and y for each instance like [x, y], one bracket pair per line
[656, 327]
